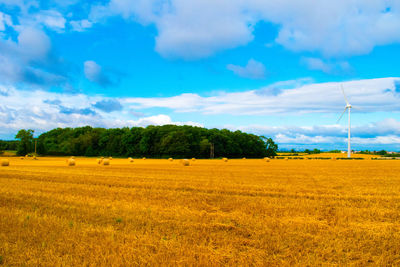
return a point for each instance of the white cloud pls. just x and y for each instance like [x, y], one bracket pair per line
[51, 19]
[145, 11]
[253, 70]
[80, 25]
[26, 55]
[93, 72]
[33, 43]
[160, 119]
[334, 28]
[28, 60]
[188, 30]
[317, 64]
[200, 28]
[4, 20]
[327, 67]
[372, 95]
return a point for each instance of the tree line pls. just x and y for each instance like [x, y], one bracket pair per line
[8, 145]
[153, 142]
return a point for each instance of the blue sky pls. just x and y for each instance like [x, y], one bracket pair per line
[267, 67]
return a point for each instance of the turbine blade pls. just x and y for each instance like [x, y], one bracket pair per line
[357, 108]
[342, 114]
[344, 95]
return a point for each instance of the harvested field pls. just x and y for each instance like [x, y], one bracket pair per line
[240, 212]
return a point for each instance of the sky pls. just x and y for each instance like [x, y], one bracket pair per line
[268, 67]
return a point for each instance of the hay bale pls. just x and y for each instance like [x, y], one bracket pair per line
[26, 156]
[193, 159]
[185, 162]
[106, 162]
[110, 158]
[72, 157]
[130, 159]
[5, 162]
[266, 159]
[71, 162]
[171, 159]
[225, 159]
[21, 157]
[144, 158]
[243, 158]
[99, 161]
[34, 157]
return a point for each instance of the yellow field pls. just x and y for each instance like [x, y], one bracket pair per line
[240, 212]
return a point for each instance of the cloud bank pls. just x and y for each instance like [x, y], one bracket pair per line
[42, 110]
[372, 95]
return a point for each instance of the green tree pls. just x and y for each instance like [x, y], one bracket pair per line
[25, 144]
[316, 151]
[271, 147]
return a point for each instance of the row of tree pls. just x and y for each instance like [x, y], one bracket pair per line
[152, 141]
[8, 145]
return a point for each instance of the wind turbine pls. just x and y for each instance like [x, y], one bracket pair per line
[347, 107]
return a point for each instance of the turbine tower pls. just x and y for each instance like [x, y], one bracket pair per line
[347, 107]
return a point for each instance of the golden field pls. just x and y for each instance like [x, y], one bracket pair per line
[239, 212]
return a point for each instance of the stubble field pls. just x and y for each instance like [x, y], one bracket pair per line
[240, 212]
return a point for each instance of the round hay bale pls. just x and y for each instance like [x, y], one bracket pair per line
[99, 161]
[106, 162]
[72, 157]
[71, 162]
[144, 158]
[102, 157]
[286, 159]
[26, 156]
[21, 157]
[110, 158]
[225, 159]
[185, 162]
[266, 159]
[171, 159]
[243, 158]
[130, 159]
[193, 159]
[34, 157]
[5, 162]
